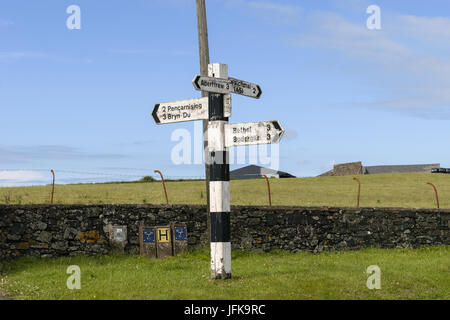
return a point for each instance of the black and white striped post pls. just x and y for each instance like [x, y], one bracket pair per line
[219, 180]
[216, 108]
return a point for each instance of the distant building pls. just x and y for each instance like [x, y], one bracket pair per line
[401, 168]
[440, 170]
[253, 171]
[355, 168]
[345, 169]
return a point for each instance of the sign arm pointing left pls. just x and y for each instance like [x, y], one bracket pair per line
[182, 110]
[155, 113]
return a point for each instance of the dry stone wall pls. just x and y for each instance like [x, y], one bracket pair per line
[61, 230]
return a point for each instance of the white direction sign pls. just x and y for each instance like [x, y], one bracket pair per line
[186, 110]
[245, 88]
[225, 86]
[243, 134]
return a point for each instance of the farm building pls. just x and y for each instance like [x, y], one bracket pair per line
[440, 170]
[401, 168]
[253, 171]
[354, 168]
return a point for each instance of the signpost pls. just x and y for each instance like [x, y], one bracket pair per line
[216, 108]
[243, 134]
[186, 110]
[203, 48]
[245, 88]
[226, 86]
[219, 181]
[183, 110]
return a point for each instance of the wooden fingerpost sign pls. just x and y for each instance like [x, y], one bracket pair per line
[163, 242]
[147, 236]
[221, 136]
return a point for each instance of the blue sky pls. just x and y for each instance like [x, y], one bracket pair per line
[80, 101]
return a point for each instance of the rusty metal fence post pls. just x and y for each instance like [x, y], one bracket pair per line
[435, 192]
[164, 185]
[53, 186]
[268, 189]
[359, 191]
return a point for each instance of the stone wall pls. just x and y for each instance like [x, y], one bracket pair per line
[58, 230]
[344, 169]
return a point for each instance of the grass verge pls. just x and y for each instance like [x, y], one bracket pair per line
[405, 274]
[381, 190]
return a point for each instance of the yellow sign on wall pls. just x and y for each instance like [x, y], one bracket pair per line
[163, 234]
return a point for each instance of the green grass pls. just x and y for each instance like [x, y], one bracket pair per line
[405, 274]
[384, 190]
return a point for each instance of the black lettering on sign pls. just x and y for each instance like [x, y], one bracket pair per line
[246, 139]
[163, 235]
[238, 90]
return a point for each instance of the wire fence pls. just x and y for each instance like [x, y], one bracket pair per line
[12, 178]
[80, 176]
[22, 177]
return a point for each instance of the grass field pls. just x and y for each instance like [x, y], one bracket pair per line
[384, 190]
[405, 274]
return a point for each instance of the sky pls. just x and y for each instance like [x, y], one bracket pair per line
[79, 101]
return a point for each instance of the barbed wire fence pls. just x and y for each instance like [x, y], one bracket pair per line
[86, 177]
[95, 176]
[73, 176]
[11, 181]
[11, 184]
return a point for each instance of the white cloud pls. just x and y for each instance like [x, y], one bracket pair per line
[332, 31]
[412, 76]
[270, 11]
[145, 52]
[15, 154]
[7, 56]
[286, 11]
[15, 55]
[15, 177]
[430, 29]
